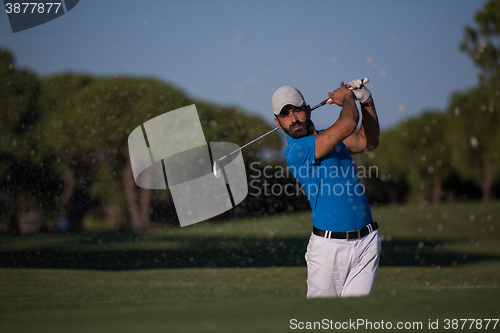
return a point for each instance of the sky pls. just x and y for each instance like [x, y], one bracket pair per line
[237, 53]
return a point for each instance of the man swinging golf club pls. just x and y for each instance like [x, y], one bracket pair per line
[343, 251]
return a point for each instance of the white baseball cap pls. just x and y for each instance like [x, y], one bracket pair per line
[287, 95]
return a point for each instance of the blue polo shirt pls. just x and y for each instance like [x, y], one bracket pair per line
[336, 195]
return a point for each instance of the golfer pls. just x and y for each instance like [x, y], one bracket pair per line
[343, 251]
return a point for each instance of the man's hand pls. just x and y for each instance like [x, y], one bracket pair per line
[339, 94]
[362, 94]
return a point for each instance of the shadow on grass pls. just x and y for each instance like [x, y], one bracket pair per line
[129, 251]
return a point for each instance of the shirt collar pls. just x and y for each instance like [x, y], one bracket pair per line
[289, 139]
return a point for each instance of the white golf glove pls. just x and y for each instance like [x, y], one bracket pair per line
[362, 94]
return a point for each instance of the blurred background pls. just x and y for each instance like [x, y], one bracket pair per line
[74, 88]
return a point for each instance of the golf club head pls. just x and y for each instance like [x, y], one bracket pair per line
[216, 169]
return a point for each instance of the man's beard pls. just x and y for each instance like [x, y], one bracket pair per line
[305, 129]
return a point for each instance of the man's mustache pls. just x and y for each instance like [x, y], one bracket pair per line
[298, 122]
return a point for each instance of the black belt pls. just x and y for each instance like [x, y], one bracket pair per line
[349, 235]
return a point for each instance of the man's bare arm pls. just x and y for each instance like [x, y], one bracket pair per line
[367, 138]
[343, 127]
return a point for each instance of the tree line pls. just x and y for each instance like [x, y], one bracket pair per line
[63, 146]
[64, 155]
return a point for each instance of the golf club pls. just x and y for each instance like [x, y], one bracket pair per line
[216, 169]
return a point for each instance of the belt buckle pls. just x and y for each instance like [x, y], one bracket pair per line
[358, 234]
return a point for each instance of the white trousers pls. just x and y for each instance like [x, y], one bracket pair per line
[342, 268]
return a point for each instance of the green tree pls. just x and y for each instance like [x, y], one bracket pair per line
[392, 165]
[474, 132]
[474, 137]
[88, 125]
[482, 42]
[428, 158]
[27, 183]
[413, 159]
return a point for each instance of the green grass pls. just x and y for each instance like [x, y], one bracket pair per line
[438, 262]
[228, 300]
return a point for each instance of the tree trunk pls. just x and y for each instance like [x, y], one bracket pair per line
[145, 207]
[139, 214]
[69, 188]
[487, 181]
[69, 185]
[78, 207]
[420, 197]
[114, 216]
[437, 187]
[450, 195]
[393, 196]
[13, 225]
